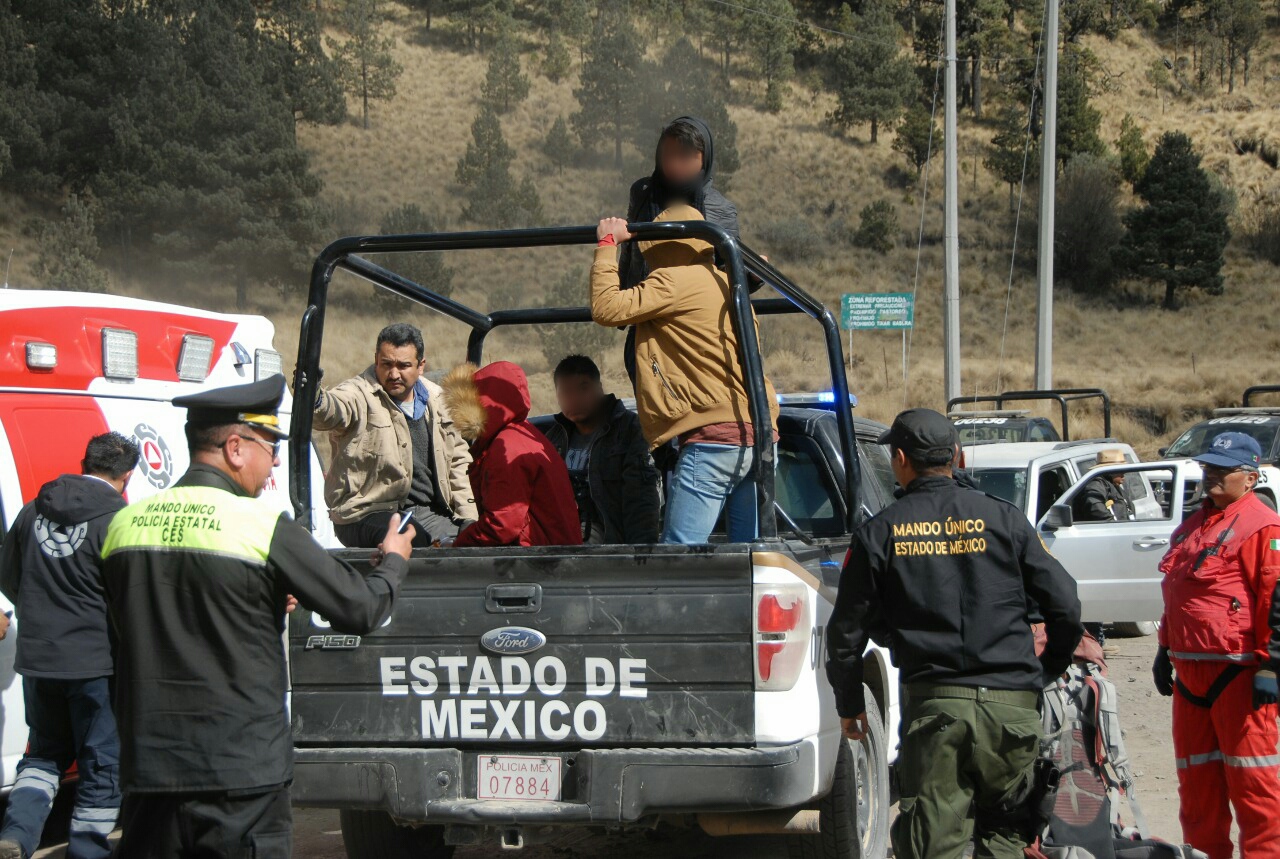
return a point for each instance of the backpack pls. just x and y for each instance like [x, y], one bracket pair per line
[1083, 741]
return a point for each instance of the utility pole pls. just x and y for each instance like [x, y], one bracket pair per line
[1048, 175]
[950, 224]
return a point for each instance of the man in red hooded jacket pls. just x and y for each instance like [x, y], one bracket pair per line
[521, 484]
[1218, 633]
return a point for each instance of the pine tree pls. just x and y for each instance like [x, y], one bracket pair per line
[572, 20]
[916, 137]
[770, 34]
[1132, 150]
[505, 83]
[69, 252]
[615, 59]
[1014, 155]
[312, 79]
[494, 199]
[1179, 234]
[368, 69]
[877, 227]
[874, 80]
[556, 61]
[424, 269]
[1087, 226]
[558, 145]
[1078, 120]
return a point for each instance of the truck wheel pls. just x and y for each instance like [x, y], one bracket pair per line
[854, 816]
[374, 835]
[1267, 499]
[1137, 629]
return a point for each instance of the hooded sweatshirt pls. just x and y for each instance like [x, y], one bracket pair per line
[49, 570]
[521, 484]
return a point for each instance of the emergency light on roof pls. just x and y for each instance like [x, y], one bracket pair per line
[41, 356]
[195, 358]
[266, 364]
[119, 354]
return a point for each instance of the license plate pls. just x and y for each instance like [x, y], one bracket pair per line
[517, 777]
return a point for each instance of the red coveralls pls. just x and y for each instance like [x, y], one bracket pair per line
[1217, 598]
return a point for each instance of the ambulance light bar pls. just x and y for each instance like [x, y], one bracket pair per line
[119, 354]
[195, 358]
[267, 364]
[41, 356]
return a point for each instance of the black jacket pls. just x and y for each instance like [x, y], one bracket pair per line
[625, 485]
[942, 577]
[50, 569]
[1102, 501]
[196, 580]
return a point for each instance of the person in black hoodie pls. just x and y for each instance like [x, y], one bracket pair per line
[683, 172]
[50, 571]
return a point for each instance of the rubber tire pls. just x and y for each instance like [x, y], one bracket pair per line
[374, 835]
[854, 815]
[1136, 629]
[1267, 499]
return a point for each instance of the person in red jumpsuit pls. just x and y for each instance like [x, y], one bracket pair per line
[1218, 652]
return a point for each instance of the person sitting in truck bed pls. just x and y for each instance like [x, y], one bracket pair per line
[394, 446]
[617, 486]
[521, 484]
[690, 385]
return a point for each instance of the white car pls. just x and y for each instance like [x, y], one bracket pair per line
[1262, 424]
[1115, 564]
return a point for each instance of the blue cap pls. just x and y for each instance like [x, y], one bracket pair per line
[1232, 450]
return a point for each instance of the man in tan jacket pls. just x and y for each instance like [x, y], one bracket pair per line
[394, 446]
[690, 385]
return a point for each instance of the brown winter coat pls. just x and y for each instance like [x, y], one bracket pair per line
[687, 370]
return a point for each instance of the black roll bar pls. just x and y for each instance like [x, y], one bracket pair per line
[1257, 389]
[1062, 396]
[736, 258]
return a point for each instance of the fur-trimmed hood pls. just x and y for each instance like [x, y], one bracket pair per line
[484, 400]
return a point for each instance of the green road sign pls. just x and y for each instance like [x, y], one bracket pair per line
[861, 311]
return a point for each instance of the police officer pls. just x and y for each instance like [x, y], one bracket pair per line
[942, 577]
[1221, 632]
[198, 581]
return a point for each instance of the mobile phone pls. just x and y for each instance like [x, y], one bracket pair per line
[406, 518]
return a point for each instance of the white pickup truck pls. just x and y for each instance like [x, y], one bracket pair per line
[1260, 422]
[1114, 563]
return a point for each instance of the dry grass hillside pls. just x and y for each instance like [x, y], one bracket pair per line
[1162, 368]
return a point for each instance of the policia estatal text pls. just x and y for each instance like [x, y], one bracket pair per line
[198, 581]
[942, 577]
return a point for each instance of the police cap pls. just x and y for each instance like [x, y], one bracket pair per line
[923, 435]
[255, 404]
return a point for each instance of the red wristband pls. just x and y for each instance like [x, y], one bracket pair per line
[607, 241]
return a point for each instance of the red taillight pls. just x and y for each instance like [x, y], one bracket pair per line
[782, 634]
[772, 617]
[764, 657]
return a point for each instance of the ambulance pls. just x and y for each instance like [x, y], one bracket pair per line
[73, 365]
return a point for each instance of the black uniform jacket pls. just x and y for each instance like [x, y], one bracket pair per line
[50, 569]
[942, 578]
[196, 579]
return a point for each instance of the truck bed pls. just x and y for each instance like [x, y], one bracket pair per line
[600, 647]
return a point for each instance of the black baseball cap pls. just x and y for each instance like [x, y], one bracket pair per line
[923, 435]
[256, 404]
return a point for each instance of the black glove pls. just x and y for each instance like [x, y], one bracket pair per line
[1162, 673]
[1264, 689]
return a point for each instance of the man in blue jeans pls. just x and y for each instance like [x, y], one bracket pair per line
[690, 387]
[49, 570]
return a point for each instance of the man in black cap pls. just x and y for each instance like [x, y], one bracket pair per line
[942, 577]
[198, 581]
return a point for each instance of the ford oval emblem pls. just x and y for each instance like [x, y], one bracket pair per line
[512, 640]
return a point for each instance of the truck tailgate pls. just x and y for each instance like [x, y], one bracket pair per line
[546, 647]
